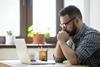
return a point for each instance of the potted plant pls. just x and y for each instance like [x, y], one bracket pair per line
[37, 37]
[9, 38]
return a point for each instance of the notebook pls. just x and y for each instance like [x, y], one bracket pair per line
[23, 56]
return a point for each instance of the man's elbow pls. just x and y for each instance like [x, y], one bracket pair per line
[74, 62]
[58, 60]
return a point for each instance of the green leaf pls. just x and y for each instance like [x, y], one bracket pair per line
[9, 33]
[30, 28]
[47, 35]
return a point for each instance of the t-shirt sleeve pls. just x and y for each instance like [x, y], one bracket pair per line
[87, 47]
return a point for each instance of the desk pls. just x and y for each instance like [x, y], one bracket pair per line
[17, 63]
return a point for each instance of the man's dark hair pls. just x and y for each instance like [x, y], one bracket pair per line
[71, 11]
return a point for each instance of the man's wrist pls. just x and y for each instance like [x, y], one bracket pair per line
[61, 42]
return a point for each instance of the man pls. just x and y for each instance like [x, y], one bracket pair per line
[77, 43]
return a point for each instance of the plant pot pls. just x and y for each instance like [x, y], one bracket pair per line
[10, 40]
[39, 39]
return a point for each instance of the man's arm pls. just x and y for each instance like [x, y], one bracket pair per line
[58, 55]
[67, 51]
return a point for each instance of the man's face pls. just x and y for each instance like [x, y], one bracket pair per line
[68, 25]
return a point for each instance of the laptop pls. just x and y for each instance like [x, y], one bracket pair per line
[23, 56]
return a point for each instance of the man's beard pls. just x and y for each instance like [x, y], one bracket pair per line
[74, 30]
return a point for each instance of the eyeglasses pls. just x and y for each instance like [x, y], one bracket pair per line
[64, 24]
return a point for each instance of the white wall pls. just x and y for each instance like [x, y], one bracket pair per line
[87, 12]
[95, 14]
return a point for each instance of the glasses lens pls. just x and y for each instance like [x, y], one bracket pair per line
[64, 24]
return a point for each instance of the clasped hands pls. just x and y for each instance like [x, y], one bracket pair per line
[62, 36]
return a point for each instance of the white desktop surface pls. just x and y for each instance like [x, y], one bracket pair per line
[17, 63]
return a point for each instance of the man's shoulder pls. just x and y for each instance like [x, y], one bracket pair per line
[92, 35]
[91, 31]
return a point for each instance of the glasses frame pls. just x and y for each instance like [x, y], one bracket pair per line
[64, 24]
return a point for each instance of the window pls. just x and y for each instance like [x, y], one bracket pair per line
[13, 17]
[18, 15]
[44, 16]
[10, 17]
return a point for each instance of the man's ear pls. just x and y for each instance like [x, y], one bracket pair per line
[76, 20]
